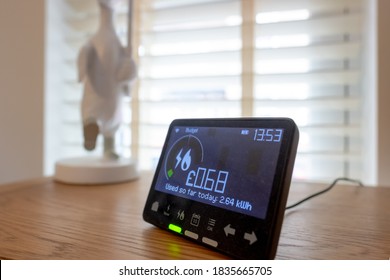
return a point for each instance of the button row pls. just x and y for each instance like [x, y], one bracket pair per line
[195, 221]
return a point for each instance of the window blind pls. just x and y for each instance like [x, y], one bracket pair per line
[307, 66]
[190, 65]
[232, 58]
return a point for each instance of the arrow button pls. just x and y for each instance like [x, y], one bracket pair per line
[251, 237]
[229, 230]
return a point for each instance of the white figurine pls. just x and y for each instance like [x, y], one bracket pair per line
[106, 68]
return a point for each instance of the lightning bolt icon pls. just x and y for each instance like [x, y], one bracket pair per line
[178, 158]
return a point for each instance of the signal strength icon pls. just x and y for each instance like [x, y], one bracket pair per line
[177, 130]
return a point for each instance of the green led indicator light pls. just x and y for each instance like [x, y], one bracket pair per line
[170, 173]
[175, 228]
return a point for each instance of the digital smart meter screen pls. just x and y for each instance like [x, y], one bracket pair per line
[227, 167]
[224, 183]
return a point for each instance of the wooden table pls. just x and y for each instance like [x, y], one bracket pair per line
[42, 219]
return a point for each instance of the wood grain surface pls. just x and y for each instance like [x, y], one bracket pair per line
[43, 219]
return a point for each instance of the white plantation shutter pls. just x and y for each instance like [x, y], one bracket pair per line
[189, 66]
[307, 66]
[231, 58]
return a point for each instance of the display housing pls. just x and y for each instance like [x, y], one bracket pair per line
[224, 183]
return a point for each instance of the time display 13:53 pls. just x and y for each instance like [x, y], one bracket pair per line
[268, 135]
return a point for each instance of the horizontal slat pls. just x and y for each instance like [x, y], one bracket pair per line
[190, 83]
[214, 57]
[342, 130]
[204, 39]
[339, 24]
[195, 12]
[195, 69]
[151, 112]
[318, 5]
[169, 4]
[322, 104]
[209, 34]
[185, 105]
[192, 47]
[339, 50]
[337, 157]
[312, 143]
[307, 117]
[350, 77]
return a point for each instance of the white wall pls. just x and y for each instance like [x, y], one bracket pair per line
[21, 89]
[383, 86]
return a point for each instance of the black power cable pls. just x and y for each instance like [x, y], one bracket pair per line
[325, 190]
